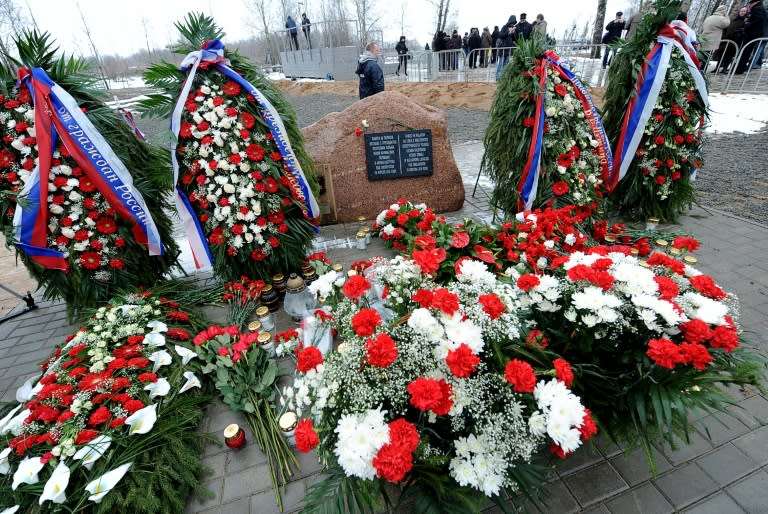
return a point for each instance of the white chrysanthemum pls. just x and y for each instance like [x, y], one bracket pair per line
[661, 307]
[593, 298]
[464, 331]
[463, 472]
[546, 392]
[476, 272]
[422, 322]
[706, 309]
[324, 285]
[388, 229]
[537, 424]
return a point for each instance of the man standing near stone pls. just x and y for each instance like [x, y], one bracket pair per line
[290, 26]
[305, 26]
[369, 71]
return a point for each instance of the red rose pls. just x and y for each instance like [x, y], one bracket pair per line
[664, 353]
[356, 286]
[381, 351]
[660, 179]
[305, 436]
[308, 358]
[99, 416]
[527, 282]
[492, 305]
[563, 371]
[365, 321]
[659, 140]
[431, 394]
[392, 463]
[462, 361]
[521, 375]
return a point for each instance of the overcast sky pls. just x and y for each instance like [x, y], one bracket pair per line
[119, 27]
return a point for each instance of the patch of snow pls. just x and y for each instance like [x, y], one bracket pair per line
[743, 113]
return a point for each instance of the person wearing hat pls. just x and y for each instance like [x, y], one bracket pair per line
[614, 28]
[755, 27]
[712, 33]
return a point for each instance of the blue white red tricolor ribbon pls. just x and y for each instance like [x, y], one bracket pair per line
[57, 115]
[675, 34]
[212, 55]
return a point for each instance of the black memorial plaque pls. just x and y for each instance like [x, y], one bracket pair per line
[390, 155]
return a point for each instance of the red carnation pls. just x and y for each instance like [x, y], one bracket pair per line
[429, 260]
[147, 377]
[492, 305]
[392, 463]
[99, 416]
[365, 321]
[563, 371]
[706, 286]
[86, 436]
[668, 289]
[462, 361]
[431, 394]
[305, 436]
[696, 354]
[446, 301]
[521, 375]
[178, 334]
[724, 337]
[659, 140]
[231, 88]
[664, 353]
[308, 358]
[696, 331]
[527, 282]
[356, 286]
[133, 405]
[561, 90]
[403, 434]
[588, 428]
[381, 351]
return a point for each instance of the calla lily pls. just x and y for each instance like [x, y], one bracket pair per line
[26, 391]
[56, 485]
[14, 424]
[160, 358]
[106, 482]
[27, 472]
[159, 388]
[185, 353]
[4, 466]
[154, 339]
[4, 422]
[157, 326]
[93, 450]
[11, 510]
[192, 381]
[142, 420]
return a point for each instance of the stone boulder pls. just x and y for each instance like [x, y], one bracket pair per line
[336, 149]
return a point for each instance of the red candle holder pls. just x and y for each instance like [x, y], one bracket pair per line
[234, 436]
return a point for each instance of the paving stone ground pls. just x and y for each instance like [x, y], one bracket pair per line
[724, 470]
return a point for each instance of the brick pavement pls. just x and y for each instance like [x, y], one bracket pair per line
[723, 470]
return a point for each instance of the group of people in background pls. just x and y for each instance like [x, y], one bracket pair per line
[293, 32]
[744, 26]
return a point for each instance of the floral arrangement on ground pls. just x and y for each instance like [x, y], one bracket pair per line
[101, 255]
[236, 178]
[642, 329]
[426, 391]
[112, 422]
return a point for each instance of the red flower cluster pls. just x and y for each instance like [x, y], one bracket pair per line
[563, 371]
[429, 260]
[365, 321]
[462, 361]
[356, 286]
[431, 394]
[395, 459]
[492, 305]
[308, 358]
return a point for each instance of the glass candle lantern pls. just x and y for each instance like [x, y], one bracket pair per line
[264, 340]
[270, 298]
[234, 436]
[278, 284]
[255, 325]
[651, 224]
[288, 422]
[360, 238]
[298, 300]
[266, 318]
[367, 232]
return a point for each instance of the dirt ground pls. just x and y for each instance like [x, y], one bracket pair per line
[455, 95]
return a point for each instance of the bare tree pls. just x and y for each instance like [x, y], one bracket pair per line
[597, 34]
[12, 22]
[145, 25]
[263, 11]
[96, 56]
[367, 19]
[443, 7]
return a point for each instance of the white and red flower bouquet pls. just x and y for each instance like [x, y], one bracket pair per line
[118, 399]
[246, 204]
[425, 392]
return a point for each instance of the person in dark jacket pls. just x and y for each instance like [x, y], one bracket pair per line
[506, 40]
[523, 28]
[454, 44]
[369, 71]
[755, 27]
[475, 42]
[402, 56]
[494, 43]
[486, 42]
[305, 28]
[290, 25]
[614, 28]
[735, 33]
